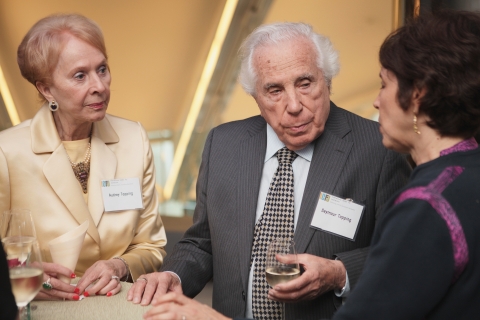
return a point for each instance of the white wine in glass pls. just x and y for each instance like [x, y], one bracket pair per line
[277, 272]
[26, 278]
[23, 255]
[276, 275]
[26, 283]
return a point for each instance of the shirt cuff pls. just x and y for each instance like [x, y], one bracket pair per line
[176, 275]
[346, 289]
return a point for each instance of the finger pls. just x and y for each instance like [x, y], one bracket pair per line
[90, 276]
[167, 283]
[167, 311]
[287, 258]
[136, 291]
[115, 290]
[181, 299]
[56, 269]
[57, 295]
[285, 296]
[152, 289]
[152, 315]
[57, 290]
[160, 309]
[131, 291]
[177, 289]
[111, 289]
[59, 285]
[102, 286]
[304, 287]
[42, 295]
[172, 297]
[296, 284]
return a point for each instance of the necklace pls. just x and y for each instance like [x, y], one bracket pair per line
[82, 169]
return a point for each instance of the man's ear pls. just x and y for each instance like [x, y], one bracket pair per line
[44, 91]
[256, 101]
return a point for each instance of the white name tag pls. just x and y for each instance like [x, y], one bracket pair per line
[122, 194]
[338, 216]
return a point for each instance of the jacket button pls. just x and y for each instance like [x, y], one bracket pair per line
[243, 295]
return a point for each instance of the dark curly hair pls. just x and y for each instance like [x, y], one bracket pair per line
[439, 53]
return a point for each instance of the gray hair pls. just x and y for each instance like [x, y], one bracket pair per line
[327, 56]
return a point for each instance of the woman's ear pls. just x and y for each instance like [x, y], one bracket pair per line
[417, 95]
[44, 91]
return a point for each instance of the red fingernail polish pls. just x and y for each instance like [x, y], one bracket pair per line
[76, 297]
[77, 291]
[73, 276]
[109, 294]
[86, 294]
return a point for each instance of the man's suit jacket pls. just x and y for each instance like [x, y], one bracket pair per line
[35, 174]
[349, 161]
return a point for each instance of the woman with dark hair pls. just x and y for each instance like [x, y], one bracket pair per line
[424, 260]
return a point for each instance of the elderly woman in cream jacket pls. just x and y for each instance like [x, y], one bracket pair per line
[55, 163]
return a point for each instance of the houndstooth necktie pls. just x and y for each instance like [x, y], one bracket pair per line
[276, 222]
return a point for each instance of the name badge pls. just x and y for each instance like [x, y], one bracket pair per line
[122, 194]
[338, 216]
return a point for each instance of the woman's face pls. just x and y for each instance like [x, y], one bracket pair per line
[81, 83]
[396, 124]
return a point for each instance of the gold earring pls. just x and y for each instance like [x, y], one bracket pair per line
[415, 128]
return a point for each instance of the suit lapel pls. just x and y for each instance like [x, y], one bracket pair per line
[329, 158]
[103, 166]
[68, 189]
[251, 156]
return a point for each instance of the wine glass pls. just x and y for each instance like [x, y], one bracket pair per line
[26, 277]
[17, 223]
[278, 272]
[18, 231]
[23, 256]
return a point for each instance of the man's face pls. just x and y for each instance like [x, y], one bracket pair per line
[291, 92]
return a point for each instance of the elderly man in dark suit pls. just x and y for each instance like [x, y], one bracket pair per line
[287, 68]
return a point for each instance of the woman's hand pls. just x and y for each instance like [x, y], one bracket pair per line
[177, 306]
[60, 290]
[104, 278]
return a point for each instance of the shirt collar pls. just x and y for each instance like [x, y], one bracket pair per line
[274, 144]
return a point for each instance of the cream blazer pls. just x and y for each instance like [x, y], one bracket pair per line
[35, 174]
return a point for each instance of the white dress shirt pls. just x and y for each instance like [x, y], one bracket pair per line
[301, 166]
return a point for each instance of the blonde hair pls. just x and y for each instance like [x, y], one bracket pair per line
[39, 51]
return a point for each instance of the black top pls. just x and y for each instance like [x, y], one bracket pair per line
[424, 260]
[8, 309]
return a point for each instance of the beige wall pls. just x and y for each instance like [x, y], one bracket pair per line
[357, 28]
[156, 49]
